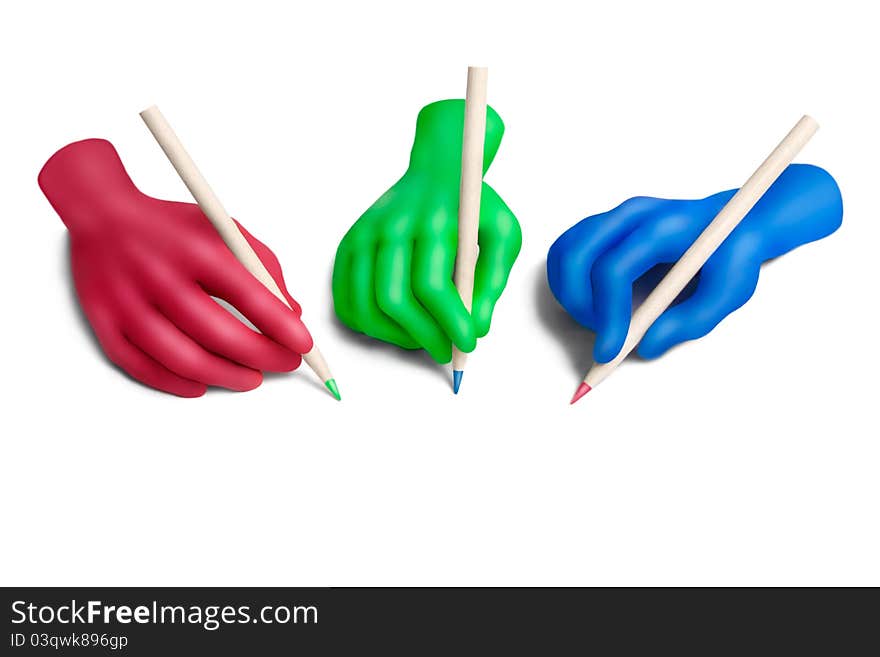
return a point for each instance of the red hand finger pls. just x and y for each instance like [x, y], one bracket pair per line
[225, 278]
[218, 331]
[270, 261]
[158, 337]
[138, 364]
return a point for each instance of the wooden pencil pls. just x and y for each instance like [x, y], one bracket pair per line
[225, 226]
[702, 249]
[473, 140]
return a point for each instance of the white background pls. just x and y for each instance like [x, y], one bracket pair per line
[748, 457]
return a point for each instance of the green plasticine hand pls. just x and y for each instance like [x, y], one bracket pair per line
[392, 278]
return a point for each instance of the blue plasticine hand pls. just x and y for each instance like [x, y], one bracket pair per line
[591, 268]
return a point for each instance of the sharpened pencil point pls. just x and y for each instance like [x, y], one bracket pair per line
[332, 387]
[456, 380]
[582, 390]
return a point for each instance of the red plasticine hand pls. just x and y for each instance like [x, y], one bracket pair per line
[145, 271]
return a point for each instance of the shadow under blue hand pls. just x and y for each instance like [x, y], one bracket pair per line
[592, 267]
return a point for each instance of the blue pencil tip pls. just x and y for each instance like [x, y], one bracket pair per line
[456, 380]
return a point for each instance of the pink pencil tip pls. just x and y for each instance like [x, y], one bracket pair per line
[582, 390]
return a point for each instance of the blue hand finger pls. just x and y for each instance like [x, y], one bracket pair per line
[663, 237]
[571, 256]
[726, 282]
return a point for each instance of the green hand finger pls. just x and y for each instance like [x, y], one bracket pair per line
[396, 299]
[432, 284]
[500, 240]
[365, 308]
[342, 303]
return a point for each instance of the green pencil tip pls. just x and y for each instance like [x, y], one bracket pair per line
[332, 387]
